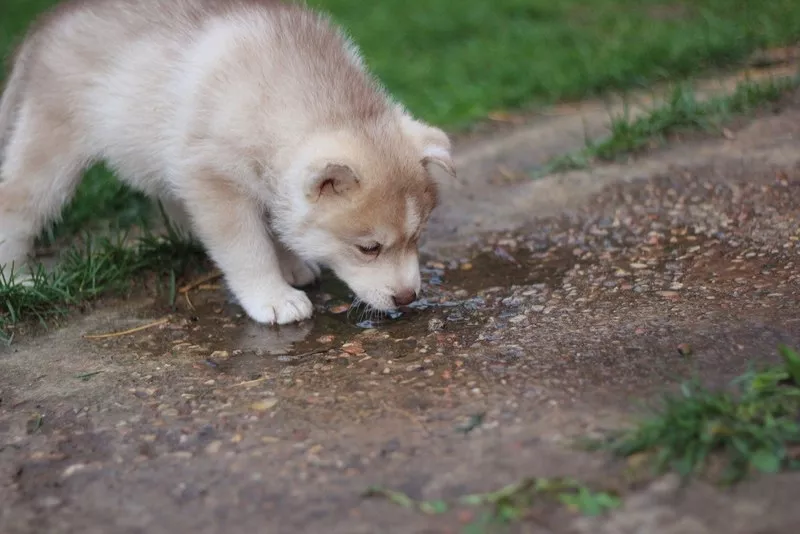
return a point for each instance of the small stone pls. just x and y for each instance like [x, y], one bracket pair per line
[466, 266]
[537, 308]
[517, 319]
[325, 339]
[213, 447]
[685, 350]
[71, 470]
[386, 371]
[668, 294]
[354, 347]
[676, 285]
[435, 325]
[220, 355]
[341, 308]
[210, 382]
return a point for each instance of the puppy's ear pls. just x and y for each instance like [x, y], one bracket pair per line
[433, 144]
[334, 180]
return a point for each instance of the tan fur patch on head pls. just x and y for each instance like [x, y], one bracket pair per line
[394, 213]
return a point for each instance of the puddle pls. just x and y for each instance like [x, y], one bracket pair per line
[213, 331]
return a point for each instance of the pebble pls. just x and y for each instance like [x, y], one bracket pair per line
[341, 308]
[435, 325]
[214, 447]
[72, 469]
[354, 348]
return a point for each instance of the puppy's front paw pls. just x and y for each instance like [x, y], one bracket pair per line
[297, 272]
[287, 305]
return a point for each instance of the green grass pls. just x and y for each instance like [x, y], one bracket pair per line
[454, 62]
[511, 503]
[85, 273]
[754, 426]
[683, 111]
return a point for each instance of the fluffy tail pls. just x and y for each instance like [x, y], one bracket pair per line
[12, 95]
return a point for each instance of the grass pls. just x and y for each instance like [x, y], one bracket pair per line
[511, 503]
[85, 273]
[454, 62]
[755, 426]
[682, 111]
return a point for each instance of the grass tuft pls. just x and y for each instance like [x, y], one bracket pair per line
[683, 111]
[104, 266]
[754, 427]
[511, 503]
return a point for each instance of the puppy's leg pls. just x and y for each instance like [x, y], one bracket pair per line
[231, 226]
[296, 271]
[41, 168]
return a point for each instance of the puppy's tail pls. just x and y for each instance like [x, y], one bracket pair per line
[12, 95]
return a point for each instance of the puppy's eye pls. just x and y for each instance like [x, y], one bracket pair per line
[370, 250]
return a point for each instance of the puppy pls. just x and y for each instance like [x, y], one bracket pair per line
[230, 113]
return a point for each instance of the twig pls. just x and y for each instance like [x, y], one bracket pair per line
[126, 332]
[250, 382]
[188, 301]
[201, 281]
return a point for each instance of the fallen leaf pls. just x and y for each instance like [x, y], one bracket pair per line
[264, 405]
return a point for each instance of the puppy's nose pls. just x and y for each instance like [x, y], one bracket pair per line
[405, 297]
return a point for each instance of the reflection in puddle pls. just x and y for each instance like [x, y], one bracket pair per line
[266, 340]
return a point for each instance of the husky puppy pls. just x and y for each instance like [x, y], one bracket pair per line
[254, 122]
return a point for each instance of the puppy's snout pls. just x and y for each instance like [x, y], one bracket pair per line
[405, 297]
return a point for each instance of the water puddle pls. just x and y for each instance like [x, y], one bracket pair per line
[457, 298]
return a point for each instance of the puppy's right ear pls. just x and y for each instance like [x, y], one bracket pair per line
[334, 180]
[433, 144]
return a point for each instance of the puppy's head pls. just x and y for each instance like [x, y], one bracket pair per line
[361, 200]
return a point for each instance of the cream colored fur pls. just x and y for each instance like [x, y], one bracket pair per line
[254, 121]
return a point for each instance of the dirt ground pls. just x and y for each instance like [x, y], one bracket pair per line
[553, 310]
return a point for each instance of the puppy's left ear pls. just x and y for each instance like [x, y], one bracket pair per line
[333, 181]
[433, 143]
